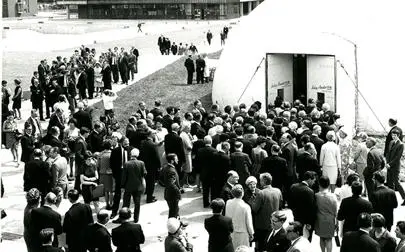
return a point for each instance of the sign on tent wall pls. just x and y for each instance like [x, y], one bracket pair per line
[279, 77]
[321, 83]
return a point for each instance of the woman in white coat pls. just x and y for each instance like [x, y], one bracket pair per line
[187, 140]
[206, 68]
[241, 216]
[330, 160]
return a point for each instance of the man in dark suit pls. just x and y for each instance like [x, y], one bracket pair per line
[269, 139]
[394, 155]
[222, 167]
[76, 220]
[219, 228]
[83, 118]
[47, 235]
[247, 145]
[35, 124]
[27, 144]
[302, 202]
[131, 126]
[393, 124]
[200, 65]
[57, 120]
[189, 64]
[106, 76]
[37, 98]
[128, 236]
[119, 156]
[137, 136]
[150, 156]
[142, 110]
[174, 144]
[375, 162]
[157, 110]
[351, 207]
[123, 67]
[232, 180]
[52, 138]
[196, 125]
[96, 138]
[360, 240]
[82, 83]
[240, 162]
[277, 167]
[97, 237]
[45, 217]
[289, 153]
[37, 175]
[306, 162]
[383, 199]
[133, 176]
[173, 190]
[276, 240]
[80, 151]
[204, 162]
[316, 140]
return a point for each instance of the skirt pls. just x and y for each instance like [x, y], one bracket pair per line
[98, 83]
[107, 181]
[10, 139]
[239, 239]
[87, 193]
[331, 172]
[17, 104]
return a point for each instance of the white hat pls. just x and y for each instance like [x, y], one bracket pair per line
[250, 180]
[173, 225]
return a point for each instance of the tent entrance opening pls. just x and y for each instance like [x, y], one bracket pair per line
[301, 76]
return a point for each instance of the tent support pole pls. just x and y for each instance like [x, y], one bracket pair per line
[356, 96]
[257, 69]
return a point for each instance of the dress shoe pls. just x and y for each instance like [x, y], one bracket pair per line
[151, 201]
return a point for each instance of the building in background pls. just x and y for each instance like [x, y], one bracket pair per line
[158, 9]
[19, 8]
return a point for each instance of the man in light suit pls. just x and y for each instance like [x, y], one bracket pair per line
[298, 242]
[375, 162]
[268, 200]
[360, 240]
[133, 179]
[400, 233]
[276, 240]
[394, 154]
[219, 228]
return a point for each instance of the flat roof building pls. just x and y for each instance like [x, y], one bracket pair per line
[19, 8]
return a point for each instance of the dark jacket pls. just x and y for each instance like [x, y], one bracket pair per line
[240, 162]
[37, 175]
[148, 153]
[49, 248]
[27, 147]
[174, 244]
[219, 229]
[96, 141]
[204, 160]
[76, 220]
[375, 162]
[349, 210]
[132, 176]
[289, 153]
[388, 139]
[127, 237]
[189, 64]
[80, 150]
[226, 192]
[171, 181]
[305, 162]
[98, 239]
[45, 217]
[384, 201]
[302, 203]
[318, 142]
[221, 169]
[394, 154]
[116, 163]
[277, 167]
[37, 95]
[359, 241]
[278, 242]
[83, 119]
[174, 144]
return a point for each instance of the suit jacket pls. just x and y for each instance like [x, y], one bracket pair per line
[82, 82]
[76, 220]
[173, 243]
[27, 147]
[240, 162]
[375, 162]
[195, 127]
[142, 116]
[394, 155]
[226, 193]
[57, 121]
[318, 142]
[204, 161]
[45, 217]
[80, 150]
[305, 162]
[116, 162]
[349, 210]
[130, 129]
[150, 156]
[33, 123]
[384, 201]
[52, 141]
[277, 167]
[174, 144]
[96, 141]
[127, 237]
[37, 95]
[359, 241]
[219, 229]
[136, 137]
[171, 181]
[268, 200]
[302, 203]
[83, 119]
[278, 242]
[37, 175]
[300, 245]
[107, 75]
[98, 239]
[289, 153]
[157, 111]
[388, 139]
[400, 247]
[132, 176]
[221, 169]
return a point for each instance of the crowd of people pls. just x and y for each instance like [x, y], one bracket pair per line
[249, 166]
[166, 47]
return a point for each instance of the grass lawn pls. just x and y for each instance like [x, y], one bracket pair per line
[167, 85]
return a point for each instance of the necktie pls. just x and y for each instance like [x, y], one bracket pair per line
[124, 157]
[271, 235]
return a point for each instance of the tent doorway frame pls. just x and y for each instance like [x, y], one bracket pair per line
[306, 54]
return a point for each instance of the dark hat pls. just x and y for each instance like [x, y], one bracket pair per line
[17, 81]
[3, 82]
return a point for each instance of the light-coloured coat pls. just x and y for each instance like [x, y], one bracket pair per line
[241, 216]
[330, 161]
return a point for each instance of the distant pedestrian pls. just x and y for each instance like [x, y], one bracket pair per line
[140, 27]
[209, 37]
[222, 38]
[17, 98]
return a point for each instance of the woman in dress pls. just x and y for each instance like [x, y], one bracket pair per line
[330, 160]
[70, 135]
[160, 133]
[106, 176]
[345, 147]
[258, 154]
[98, 79]
[89, 179]
[9, 129]
[63, 105]
[325, 223]
[241, 216]
[206, 68]
[17, 99]
[33, 197]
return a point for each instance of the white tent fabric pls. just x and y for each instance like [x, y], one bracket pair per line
[322, 27]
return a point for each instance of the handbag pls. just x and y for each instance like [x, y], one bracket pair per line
[337, 240]
[98, 191]
[339, 180]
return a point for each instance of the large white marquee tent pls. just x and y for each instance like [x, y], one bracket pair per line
[322, 27]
